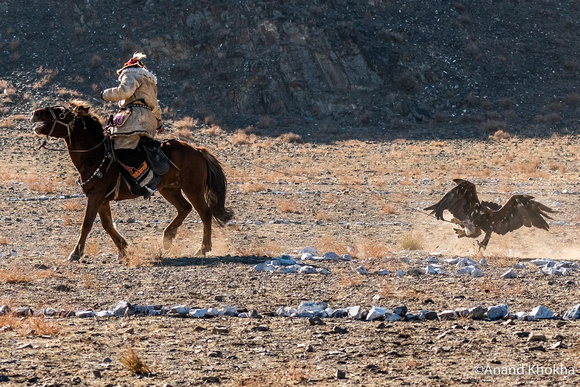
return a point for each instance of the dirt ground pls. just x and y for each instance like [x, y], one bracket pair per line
[361, 197]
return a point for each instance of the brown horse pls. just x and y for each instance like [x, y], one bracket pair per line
[194, 171]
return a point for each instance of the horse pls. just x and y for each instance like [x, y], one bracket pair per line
[194, 171]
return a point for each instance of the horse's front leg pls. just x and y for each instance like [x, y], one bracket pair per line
[93, 205]
[109, 226]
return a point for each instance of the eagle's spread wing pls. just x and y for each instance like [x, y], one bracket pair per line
[520, 211]
[460, 201]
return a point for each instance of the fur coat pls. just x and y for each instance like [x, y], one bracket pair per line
[137, 85]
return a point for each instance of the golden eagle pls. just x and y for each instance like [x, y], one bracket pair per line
[474, 216]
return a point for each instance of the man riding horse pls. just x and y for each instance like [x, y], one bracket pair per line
[134, 127]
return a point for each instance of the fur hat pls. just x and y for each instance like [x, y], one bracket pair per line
[135, 61]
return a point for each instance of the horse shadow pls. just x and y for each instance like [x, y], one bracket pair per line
[211, 261]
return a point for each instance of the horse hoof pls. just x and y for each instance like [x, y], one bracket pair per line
[74, 257]
[167, 242]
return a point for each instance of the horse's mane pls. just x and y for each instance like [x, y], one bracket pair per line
[77, 104]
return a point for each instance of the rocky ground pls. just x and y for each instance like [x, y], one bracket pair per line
[361, 198]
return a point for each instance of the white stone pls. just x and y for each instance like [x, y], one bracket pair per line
[430, 270]
[197, 313]
[376, 312]
[227, 311]
[179, 309]
[265, 266]
[306, 257]
[432, 260]
[105, 313]
[452, 261]
[354, 312]
[307, 270]
[400, 273]
[311, 306]
[322, 270]
[519, 265]
[345, 257]
[85, 314]
[573, 313]
[483, 262]
[361, 270]
[286, 311]
[510, 274]
[466, 262]
[477, 273]
[448, 315]
[521, 316]
[213, 312]
[122, 308]
[540, 312]
[47, 312]
[383, 272]
[310, 250]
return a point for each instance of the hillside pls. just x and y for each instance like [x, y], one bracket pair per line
[481, 66]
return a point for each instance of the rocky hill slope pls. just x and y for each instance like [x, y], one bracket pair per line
[482, 65]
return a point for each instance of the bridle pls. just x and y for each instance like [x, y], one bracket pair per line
[70, 127]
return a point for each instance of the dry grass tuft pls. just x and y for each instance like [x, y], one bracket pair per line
[14, 276]
[213, 130]
[411, 241]
[133, 363]
[291, 138]
[370, 249]
[144, 254]
[500, 135]
[39, 326]
[286, 206]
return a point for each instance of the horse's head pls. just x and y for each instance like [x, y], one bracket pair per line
[59, 121]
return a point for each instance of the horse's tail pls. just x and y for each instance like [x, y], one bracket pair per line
[215, 188]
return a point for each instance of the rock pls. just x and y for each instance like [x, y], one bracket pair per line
[537, 337]
[309, 250]
[345, 257]
[315, 321]
[427, 315]
[330, 256]
[509, 274]
[522, 334]
[104, 314]
[123, 308]
[391, 317]
[361, 270]
[519, 265]
[477, 273]
[383, 272]
[471, 269]
[322, 270]
[197, 313]
[265, 266]
[452, 261]
[23, 312]
[400, 310]
[497, 312]
[286, 311]
[306, 257]
[4, 309]
[483, 262]
[571, 314]
[230, 311]
[340, 374]
[540, 312]
[430, 270]
[49, 312]
[85, 314]
[315, 307]
[400, 273]
[543, 262]
[261, 328]
[354, 312]
[463, 262]
[180, 310]
[557, 345]
[307, 270]
[448, 315]
[432, 260]
[414, 271]
[340, 313]
[376, 313]
[522, 316]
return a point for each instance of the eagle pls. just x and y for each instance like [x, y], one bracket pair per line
[474, 216]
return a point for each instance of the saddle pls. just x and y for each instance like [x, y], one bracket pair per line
[143, 166]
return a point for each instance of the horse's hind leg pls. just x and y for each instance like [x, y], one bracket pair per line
[109, 226]
[174, 196]
[198, 200]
